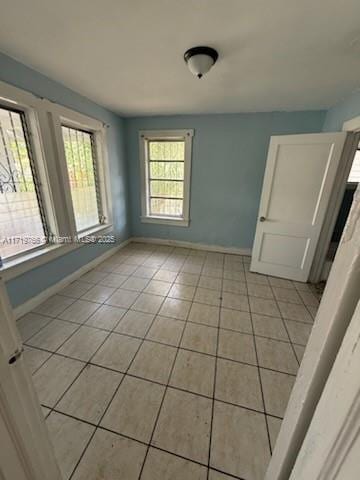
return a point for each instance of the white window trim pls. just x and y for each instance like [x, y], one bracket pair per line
[43, 119]
[145, 135]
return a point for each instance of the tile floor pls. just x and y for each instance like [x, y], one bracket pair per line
[168, 363]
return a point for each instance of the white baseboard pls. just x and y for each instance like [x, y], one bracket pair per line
[193, 245]
[64, 282]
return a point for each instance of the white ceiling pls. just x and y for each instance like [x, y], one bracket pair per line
[128, 54]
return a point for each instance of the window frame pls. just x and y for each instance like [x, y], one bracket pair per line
[146, 136]
[43, 121]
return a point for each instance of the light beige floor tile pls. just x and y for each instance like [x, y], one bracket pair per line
[291, 311]
[106, 317]
[165, 466]
[166, 330]
[148, 303]
[174, 308]
[187, 279]
[153, 362]
[90, 394]
[134, 409]
[135, 323]
[182, 292]
[235, 301]
[98, 293]
[53, 335]
[234, 275]
[53, 306]
[122, 298]
[45, 411]
[239, 384]
[30, 324]
[54, 377]
[135, 283]
[79, 311]
[274, 425]
[125, 269]
[235, 320]
[287, 295]
[262, 291]
[239, 443]
[232, 286]
[83, 344]
[214, 475]
[207, 296]
[158, 287]
[76, 289]
[299, 332]
[165, 275]
[193, 269]
[276, 355]
[276, 388]
[237, 346]
[117, 352]
[205, 314]
[94, 276]
[313, 311]
[309, 298]
[34, 358]
[299, 351]
[256, 278]
[210, 282]
[69, 438]
[113, 280]
[109, 457]
[183, 426]
[302, 287]
[145, 272]
[194, 372]
[200, 338]
[214, 272]
[271, 327]
[264, 306]
[280, 282]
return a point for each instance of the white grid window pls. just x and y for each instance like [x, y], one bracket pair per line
[165, 166]
[21, 214]
[82, 173]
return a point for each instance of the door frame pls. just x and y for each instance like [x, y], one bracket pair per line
[27, 447]
[336, 310]
[351, 144]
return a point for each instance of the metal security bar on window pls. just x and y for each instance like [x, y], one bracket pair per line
[82, 171]
[22, 217]
[166, 160]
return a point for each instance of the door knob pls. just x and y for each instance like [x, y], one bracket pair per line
[262, 219]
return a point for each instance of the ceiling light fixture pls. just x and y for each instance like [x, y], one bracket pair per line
[200, 60]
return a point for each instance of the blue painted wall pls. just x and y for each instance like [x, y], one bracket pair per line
[228, 162]
[343, 111]
[30, 284]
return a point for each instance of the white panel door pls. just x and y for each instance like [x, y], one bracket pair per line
[299, 175]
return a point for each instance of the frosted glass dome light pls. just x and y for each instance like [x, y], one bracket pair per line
[200, 60]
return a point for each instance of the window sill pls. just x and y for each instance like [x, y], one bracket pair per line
[36, 258]
[178, 222]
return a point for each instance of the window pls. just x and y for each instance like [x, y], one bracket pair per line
[82, 172]
[54, 181]
[354, 175]
[21, 214]
[165, 169]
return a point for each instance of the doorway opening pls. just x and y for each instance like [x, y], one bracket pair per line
[352, 183]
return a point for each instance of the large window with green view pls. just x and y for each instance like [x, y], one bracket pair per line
[166, 175]
[82, 173]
